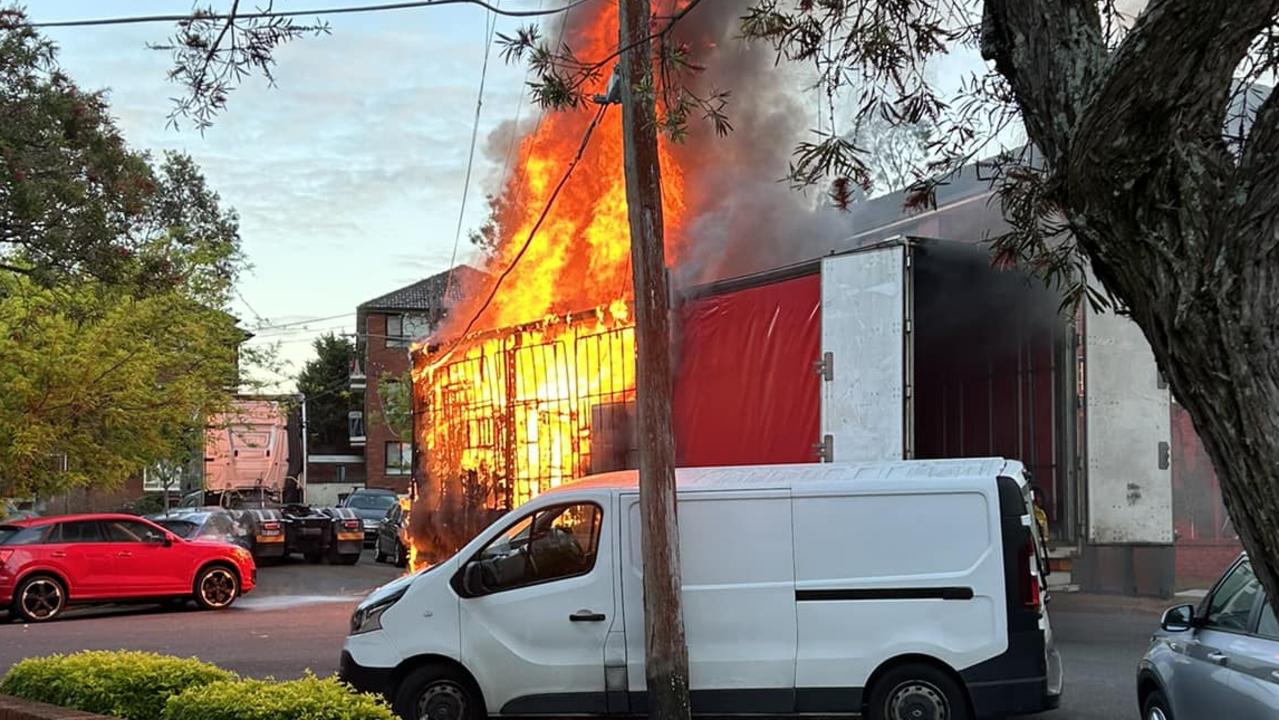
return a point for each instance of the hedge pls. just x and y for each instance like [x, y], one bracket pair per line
[146, 686]
[132, 685]
[310, 698]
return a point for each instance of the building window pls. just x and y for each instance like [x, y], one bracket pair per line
[341, 474]
[395, 331]
[402, 330]
[399, 458]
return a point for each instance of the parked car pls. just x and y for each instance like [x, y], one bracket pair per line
[899, 591]
[49, 563]
[371, 504]
[215, 525]
[392, 537]
[1217, 660]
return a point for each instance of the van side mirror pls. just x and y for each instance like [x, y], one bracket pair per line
[1178, 619]
[473, 579]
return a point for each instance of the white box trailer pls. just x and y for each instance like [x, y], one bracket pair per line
[906, 317]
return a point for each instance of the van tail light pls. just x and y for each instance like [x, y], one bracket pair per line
[1030, 596]
[4, 556]
[270, 527]
[352, 525]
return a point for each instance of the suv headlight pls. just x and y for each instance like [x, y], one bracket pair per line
[368, 618]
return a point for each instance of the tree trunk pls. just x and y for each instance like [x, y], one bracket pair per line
[665, 653]
[1180, 228]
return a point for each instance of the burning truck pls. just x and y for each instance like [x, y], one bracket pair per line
[907, 348]
[857, 356]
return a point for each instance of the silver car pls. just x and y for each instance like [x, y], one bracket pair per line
[1220, 660]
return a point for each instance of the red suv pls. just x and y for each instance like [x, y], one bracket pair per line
[48, 563]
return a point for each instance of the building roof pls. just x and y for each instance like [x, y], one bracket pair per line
[426, 294]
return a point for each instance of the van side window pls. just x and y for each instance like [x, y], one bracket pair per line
[549, 545]
[1230, 607]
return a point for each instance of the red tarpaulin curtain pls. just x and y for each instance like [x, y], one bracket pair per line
[745, 389]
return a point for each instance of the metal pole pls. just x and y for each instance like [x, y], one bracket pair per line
[306, 456]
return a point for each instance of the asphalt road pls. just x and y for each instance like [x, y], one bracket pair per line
[297, 618]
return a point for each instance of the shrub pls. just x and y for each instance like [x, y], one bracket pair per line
[131, 685]
[310, 698]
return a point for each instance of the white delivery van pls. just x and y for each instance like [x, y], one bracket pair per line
[906, 590]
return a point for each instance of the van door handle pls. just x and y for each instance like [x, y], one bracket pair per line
[586, 616]
[1218, 658]
[124, 554]
[58, 554]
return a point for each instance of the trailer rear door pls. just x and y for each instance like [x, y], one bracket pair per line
[1128, 435]
[866, 351]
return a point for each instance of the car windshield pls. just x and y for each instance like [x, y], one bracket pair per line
[8, 531]
[371, 502]
[181, 528]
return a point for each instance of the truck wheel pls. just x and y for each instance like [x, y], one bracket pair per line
[39, 598]
[348, 559]
[1156, 707]
[436, 692]
[216, 587]
[917, 692]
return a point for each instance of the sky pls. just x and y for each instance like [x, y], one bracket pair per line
[347, 175]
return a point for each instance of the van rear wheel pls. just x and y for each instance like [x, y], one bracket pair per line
[436, 692]
[917, 692]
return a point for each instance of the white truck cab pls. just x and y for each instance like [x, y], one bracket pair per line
[897, 590]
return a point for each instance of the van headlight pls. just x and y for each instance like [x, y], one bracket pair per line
[368, 618]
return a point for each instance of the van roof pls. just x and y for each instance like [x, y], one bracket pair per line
[782, 477]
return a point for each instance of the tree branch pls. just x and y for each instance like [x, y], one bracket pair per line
[1153, 127]
[1052, 54]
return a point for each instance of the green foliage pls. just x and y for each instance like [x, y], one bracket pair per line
[114, 274]
[70, 189]
[397, 403]
[324, 381]
[146, 686]
[311, 698]
[130, 685]
[99, 384]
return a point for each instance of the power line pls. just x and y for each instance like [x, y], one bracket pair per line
[586, 137]
[302, 322]
[262, 14]
[491, 28]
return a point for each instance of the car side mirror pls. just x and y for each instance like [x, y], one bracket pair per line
[473, 579]
[1178, 619]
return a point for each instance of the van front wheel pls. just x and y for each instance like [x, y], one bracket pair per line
[917, 692]
[437, 693]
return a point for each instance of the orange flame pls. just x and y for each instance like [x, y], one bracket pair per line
[580, 257]
[511, 413]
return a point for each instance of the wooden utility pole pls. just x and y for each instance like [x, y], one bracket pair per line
[665, 652]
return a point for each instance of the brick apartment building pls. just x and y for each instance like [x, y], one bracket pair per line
[387, 326]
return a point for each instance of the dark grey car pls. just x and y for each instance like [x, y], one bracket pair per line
[371, 504]
[390, 538]
[1220, 660]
